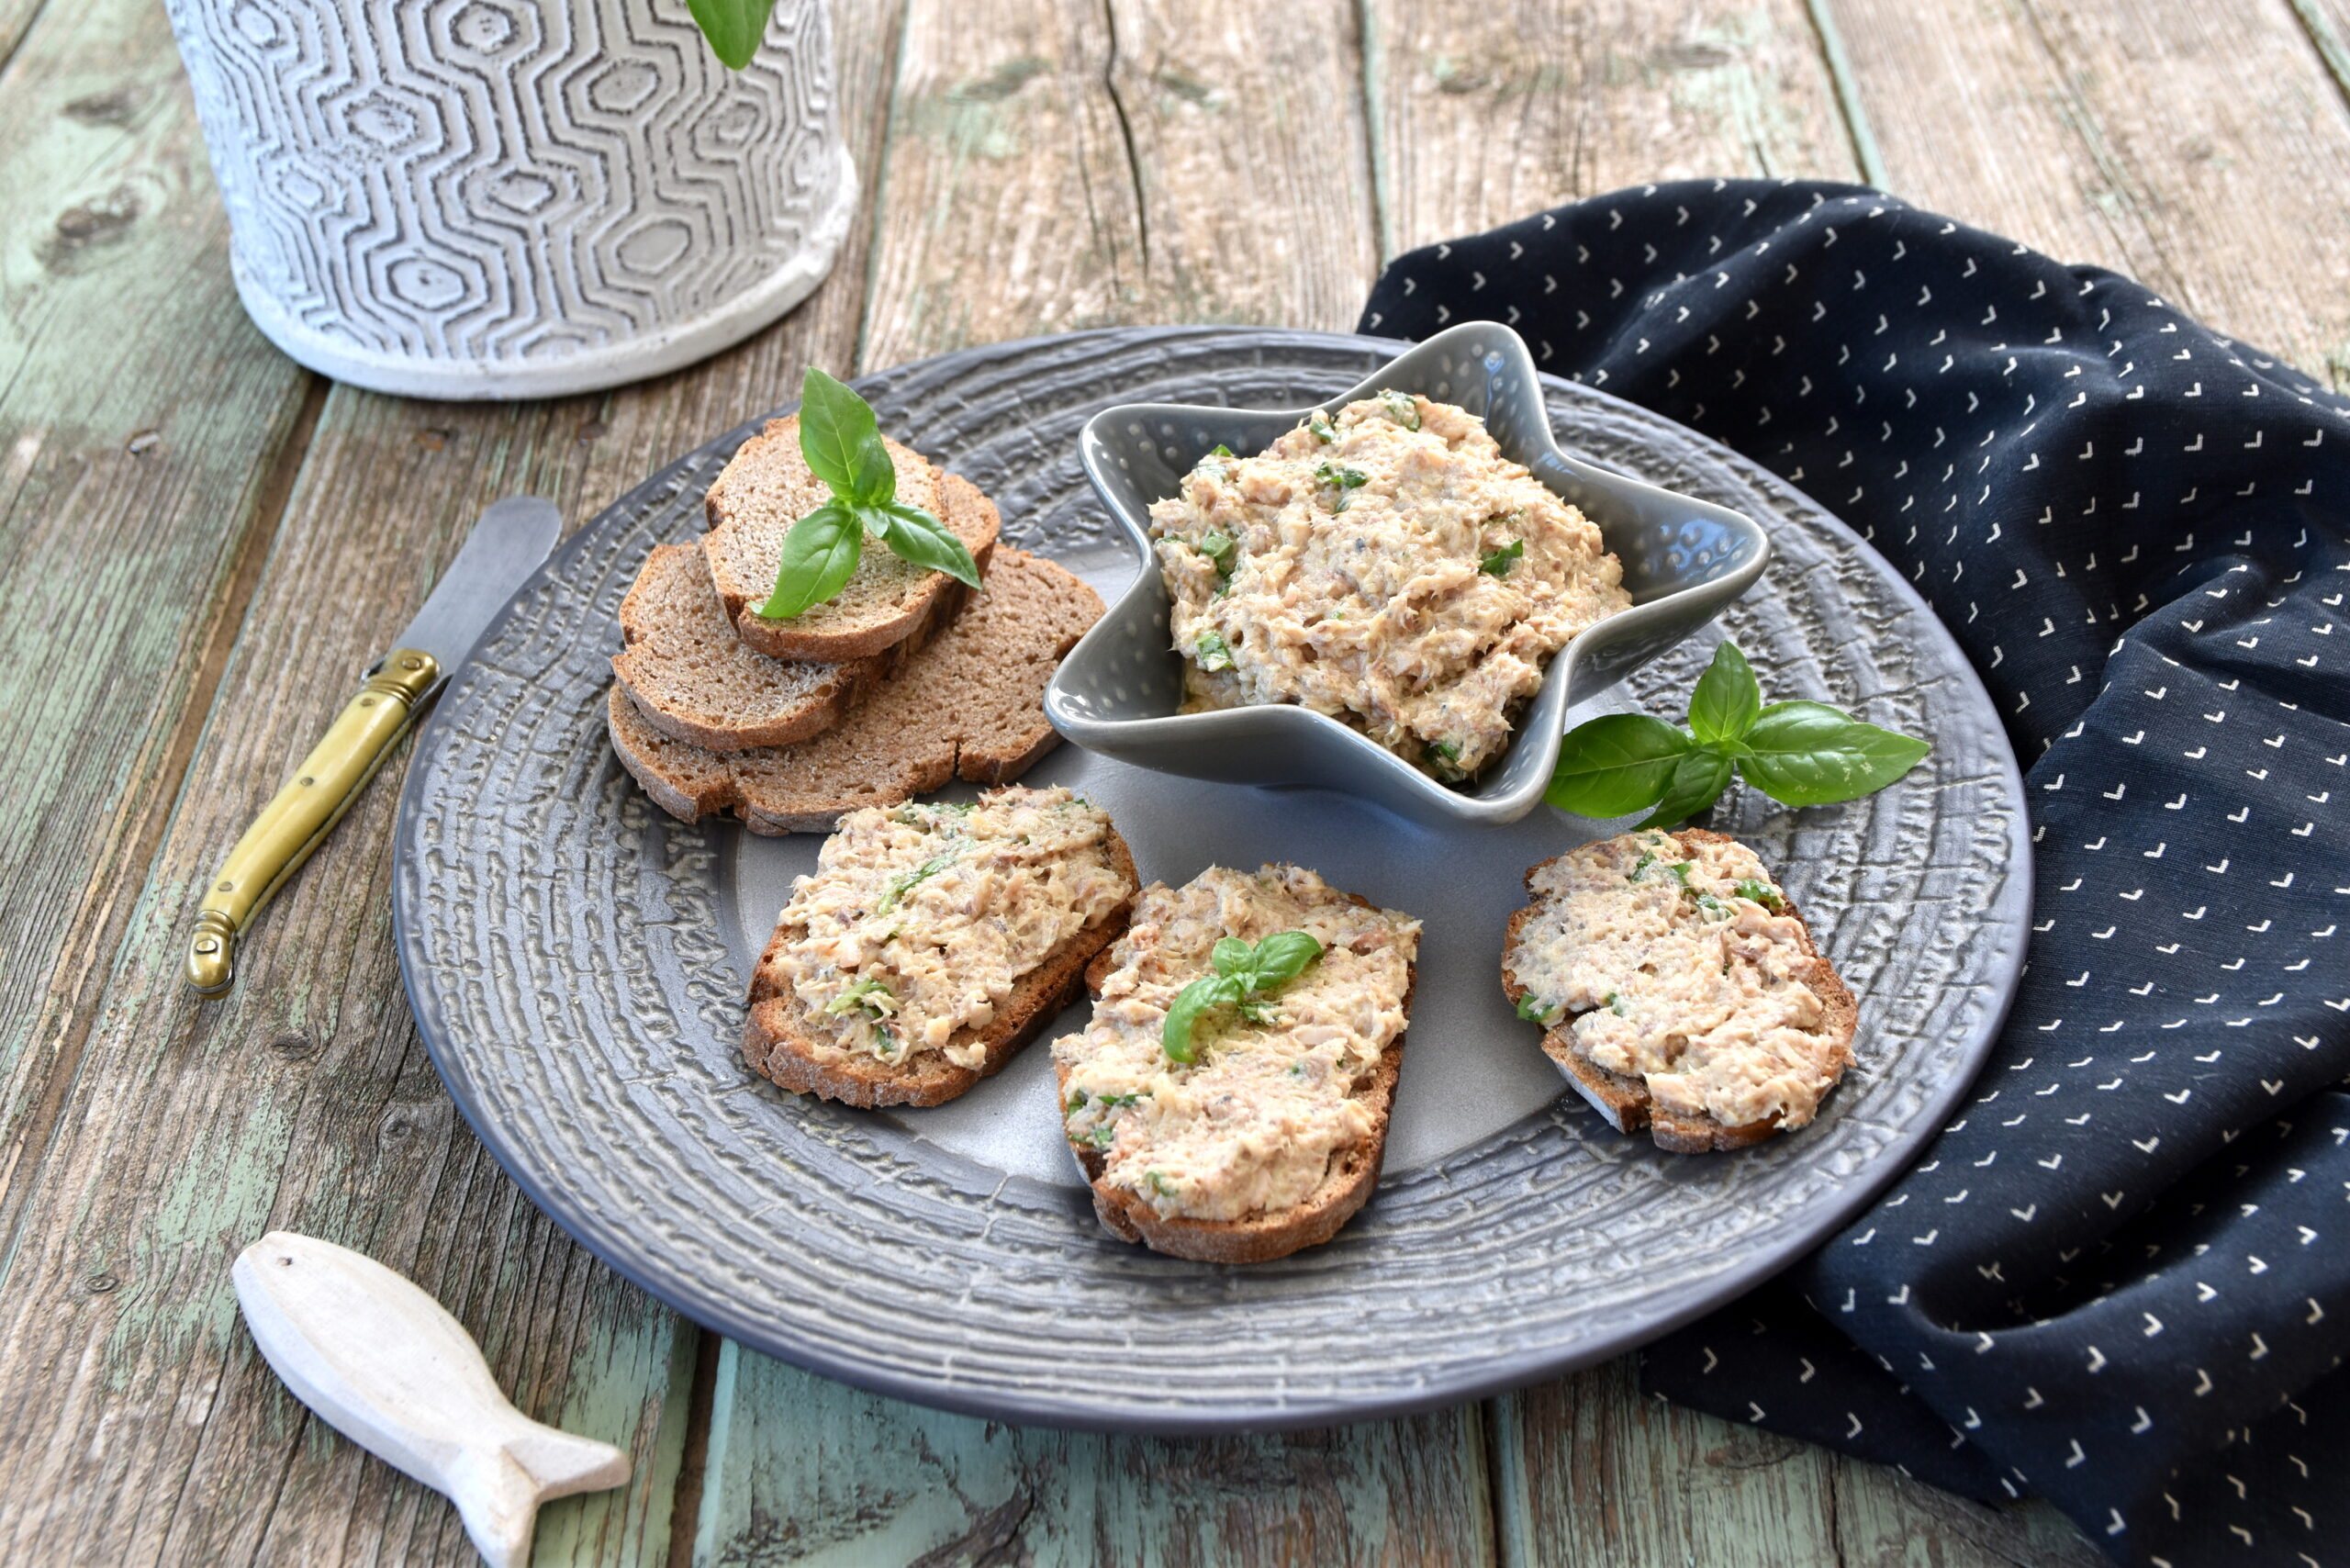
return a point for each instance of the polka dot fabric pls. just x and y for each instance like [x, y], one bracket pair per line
[2121, 1278]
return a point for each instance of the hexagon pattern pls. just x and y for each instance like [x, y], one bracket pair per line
[508, 180]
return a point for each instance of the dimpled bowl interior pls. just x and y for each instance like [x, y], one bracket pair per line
[1117, 693]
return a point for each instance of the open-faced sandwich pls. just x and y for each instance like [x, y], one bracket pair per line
[1386, 565]
[1229, 1101]
[1679, 988]
[934, 940]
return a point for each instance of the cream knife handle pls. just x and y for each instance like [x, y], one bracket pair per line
[305, 810]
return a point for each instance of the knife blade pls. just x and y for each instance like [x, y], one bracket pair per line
[506, 544]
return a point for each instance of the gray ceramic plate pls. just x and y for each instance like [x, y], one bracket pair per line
[576, 961]
[1118, 691]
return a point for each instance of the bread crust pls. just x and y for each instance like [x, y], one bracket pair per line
[777, 1043]
[961, 507]
[825, 706]
[907, 735]
[1261, 1238]
[1624, 1101]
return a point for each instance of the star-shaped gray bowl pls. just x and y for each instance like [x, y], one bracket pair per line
[1118, 689]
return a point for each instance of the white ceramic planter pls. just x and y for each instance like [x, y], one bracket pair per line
[514, 198]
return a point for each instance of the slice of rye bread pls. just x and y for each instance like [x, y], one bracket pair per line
[969, 705]
[1258, 1237]
[778, 1044]
[767, 489]
[693, 680]
[1624, 1100]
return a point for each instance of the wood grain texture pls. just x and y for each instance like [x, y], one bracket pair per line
[1487, 110]
[303, 1100]
[826, 1475]
[2202, 149]
[135, 467]
[1076, 165]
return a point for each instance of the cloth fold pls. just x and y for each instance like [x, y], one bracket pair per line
[2120, 1279]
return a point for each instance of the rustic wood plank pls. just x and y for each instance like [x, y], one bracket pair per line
[1590, 1471]
[139, 1423]
[1484, 112]
[831, 1476]
[2199, 148]
[1883, 1519]
[1075, 165]
[137, 488]
[16, 17]
[1245, 125]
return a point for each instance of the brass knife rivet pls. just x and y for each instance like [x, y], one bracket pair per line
[308, 780]
[367, 702]
[208, 945]
[227, 887]
[411, 662]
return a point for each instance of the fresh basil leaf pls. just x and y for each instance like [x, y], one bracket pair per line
[732, 27]
[1207, 991]
[1807, 754]
[912, 534]
[1698, 779]
[1498, 564]
[820, 554]
[1215, 654]
[1282, 957]
[1615, 765]
[1727, 699]
[842, 442]
[1231, 955]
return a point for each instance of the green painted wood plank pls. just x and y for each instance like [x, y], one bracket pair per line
[140, 413]
[813, 1473]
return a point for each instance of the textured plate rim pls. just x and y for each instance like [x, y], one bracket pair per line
[711, 1311]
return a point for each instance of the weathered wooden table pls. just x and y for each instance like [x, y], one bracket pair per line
[203, 542]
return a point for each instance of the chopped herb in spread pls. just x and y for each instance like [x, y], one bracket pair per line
[1389, 569]
[1763, 893]
[1214, 655]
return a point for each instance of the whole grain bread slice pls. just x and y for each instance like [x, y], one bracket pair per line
[1624, 1100]
[693, 680]
[779, 1042]
[767, 487]
[969, 705]
[1258, 1237]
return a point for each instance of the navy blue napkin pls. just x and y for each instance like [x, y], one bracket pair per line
[2121, 1280]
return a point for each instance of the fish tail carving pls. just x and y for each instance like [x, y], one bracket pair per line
[497, 1490]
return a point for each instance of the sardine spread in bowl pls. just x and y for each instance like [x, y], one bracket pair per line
[1390, 596]
[1385, 565]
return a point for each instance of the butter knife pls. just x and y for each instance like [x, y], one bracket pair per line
[507, 543]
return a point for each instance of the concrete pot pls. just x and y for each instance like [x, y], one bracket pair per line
[514, 198]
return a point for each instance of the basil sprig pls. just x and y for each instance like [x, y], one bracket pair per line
[1799, 754]
[1244, 972]
[842, 442]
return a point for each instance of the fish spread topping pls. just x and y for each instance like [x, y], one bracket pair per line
[922, 918]
[1682, 966]
[1385, 566]
[1253, 1123]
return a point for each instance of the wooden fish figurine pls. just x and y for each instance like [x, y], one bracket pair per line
[388, 1368]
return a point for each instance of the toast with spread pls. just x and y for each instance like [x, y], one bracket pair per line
[933, 942]
[693, 680]
[1679, 988]
[1270, 1137]
[968, 705]
[767, 489]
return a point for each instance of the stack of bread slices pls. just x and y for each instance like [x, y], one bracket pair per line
[902, 681]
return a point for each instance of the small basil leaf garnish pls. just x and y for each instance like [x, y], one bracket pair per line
[1727, 698]
[1807, 754]
[1698, 779]
[1244, 972]
[820, 556]
[1615, 765]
